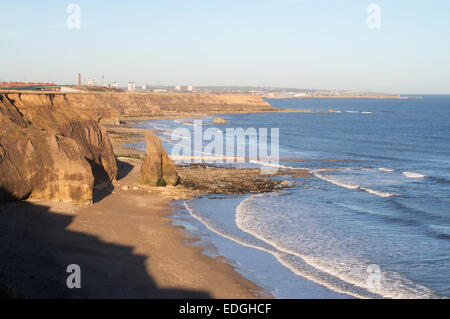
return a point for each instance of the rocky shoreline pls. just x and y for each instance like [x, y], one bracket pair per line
[58, 151]
[202, 179]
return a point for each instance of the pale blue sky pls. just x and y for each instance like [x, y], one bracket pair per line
[282, 43]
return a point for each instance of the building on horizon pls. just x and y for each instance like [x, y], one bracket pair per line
[177, 88]
[190, 88]
[131, 86]
[90, 82]
[115, 85]
[144, 86]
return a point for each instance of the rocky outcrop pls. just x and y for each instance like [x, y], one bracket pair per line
[204, 179]
[50, 151]
[157, 169]
[219, 120]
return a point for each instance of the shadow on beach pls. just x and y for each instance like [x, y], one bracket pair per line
[105, 188]
[36, 246]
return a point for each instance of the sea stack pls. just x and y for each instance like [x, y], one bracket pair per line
[157, 169]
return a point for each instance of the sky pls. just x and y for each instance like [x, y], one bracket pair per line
[314, 44]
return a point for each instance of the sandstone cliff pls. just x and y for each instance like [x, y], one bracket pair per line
[52, 147]
[50, 151]
[157, 169]
[111, 107]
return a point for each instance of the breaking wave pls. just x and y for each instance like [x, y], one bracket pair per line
[354, 187]
[413, 175]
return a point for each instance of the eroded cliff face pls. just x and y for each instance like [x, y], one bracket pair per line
[111, 107]
[50, 151]
[52, 147]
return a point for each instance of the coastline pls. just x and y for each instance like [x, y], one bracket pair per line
[346, 97]
[249, 261]
[125, 244]
[118, 220]
[137, 224]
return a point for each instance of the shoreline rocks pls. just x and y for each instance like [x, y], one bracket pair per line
[219, 120]
[203, 179]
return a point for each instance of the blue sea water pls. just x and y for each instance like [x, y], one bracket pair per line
[385, 205]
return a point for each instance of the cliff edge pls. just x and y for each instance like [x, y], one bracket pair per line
[52, 146]
[111, 107]
[50, 151]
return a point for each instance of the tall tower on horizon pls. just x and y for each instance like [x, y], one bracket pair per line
[79, 79]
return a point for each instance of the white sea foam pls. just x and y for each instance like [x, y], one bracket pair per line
[413, 175]
[394, 285]
[388, 170]
[282, 257]
[171, 134]
[184, 122]
[354, 187]
[161, 127]
[366, 112]
[314, 269]
[266, 163]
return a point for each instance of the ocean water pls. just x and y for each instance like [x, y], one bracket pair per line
[375, 223]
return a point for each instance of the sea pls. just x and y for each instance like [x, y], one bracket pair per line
[372, 220]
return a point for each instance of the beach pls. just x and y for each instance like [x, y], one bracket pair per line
[358, 205]
[124, 243]
[310, 230]
[249, 152]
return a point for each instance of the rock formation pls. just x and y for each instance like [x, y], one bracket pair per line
[52, 147]
[111, 107]
[219, 120]
[157, 169]
[51, 152]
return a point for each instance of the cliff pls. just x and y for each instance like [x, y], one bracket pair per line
[50, 151]
[111, 107]
[52, 147]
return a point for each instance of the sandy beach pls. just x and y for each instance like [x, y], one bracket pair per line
[124, 243]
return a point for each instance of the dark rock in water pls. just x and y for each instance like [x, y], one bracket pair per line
[157, 169]
[51, 153]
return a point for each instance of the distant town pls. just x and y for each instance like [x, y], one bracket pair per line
[90, 85]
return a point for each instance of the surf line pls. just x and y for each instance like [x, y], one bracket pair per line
[278, 256]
